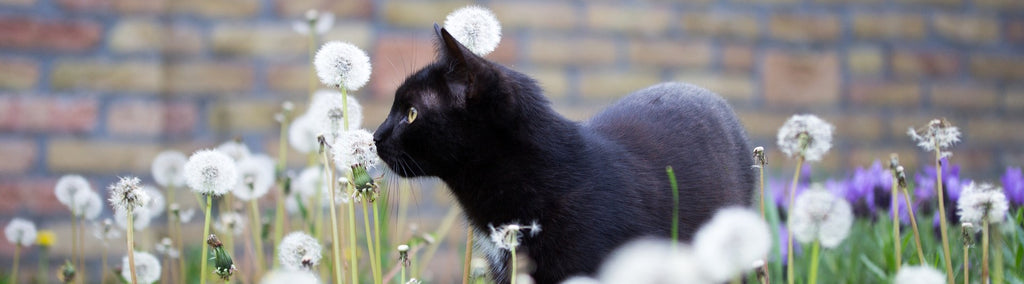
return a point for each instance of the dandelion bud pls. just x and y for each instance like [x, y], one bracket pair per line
[224, 267]
[67, 272]
[894, 161]
[967, 233]
[759, 159]
[403, 254]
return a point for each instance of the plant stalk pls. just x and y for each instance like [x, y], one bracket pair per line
[206, 232]
[336, 249]
[942, 215]
[675, 205]
[257, 237]
[895, 209]
[468, 258]
[790, 264]
[17, 257]
[131, 244]
[984, 250]
[812, 275]
[913, 224]
[369, 240]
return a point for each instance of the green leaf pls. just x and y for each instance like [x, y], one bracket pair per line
[873, 268]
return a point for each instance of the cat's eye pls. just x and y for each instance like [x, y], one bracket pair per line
[411, 116]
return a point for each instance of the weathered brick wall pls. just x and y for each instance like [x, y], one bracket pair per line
[100, 86]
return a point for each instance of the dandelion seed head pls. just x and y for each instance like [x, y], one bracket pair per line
[299, 251]
[230, 223]
[355, 148]
[88, 204]
[982, 202]
[820, 215]
[806, 135]
[474, 27]
[289, 277]
[186, 215]
[341, 64]
[256, 176]
[321, 22]
[234, 149]
[938, 131]
[20, 232]
[328, 111]
[147, 267]
[509, 236]
[302, 134]
[168, 168]
[309, 182]
[652, 261]
[156, 205]
[67, 186]
[105, 231]
[127, 193]
[581, 280]
[919, 274]
[732, 240]
[211, 172]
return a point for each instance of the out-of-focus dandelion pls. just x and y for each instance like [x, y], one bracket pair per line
[937, 135]
[918, 274]
[314, 21]
[509, 237]
[732, 240]
[21, 233]
[212, 173]
[146, 267]
[168, 169]
[983, 204]
[822, 218]
[289, 277]
[299, 251]
[652, 261]
[474, 27]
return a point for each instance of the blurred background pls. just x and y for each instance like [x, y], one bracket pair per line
[99, 87]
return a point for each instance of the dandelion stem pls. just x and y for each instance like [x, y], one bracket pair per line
[675, 205]
[17, 257]
[942, 215]
[181, 250]
[103, 263]
[468, 258]
[997, 256]
[967, 264]
[257, 237]
[376, 240]
[812, 275]
[790, 264]
[81, 255]
[515, 267]
[984, 250]
[354, 264]
[282, 158]
[131, 244]
[336, 249]
[74, 238]
[206, 232]
[895, 209]
[767, 276]
[369, 240]
[913, 224]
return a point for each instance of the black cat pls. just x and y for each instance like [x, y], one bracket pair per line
[489, 133]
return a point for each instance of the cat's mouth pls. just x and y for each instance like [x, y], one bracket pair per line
[399, 162]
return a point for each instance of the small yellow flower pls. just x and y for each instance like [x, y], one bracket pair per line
[46, 238]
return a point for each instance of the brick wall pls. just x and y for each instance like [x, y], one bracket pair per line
[100, 86]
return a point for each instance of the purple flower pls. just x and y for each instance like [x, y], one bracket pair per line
[869, 189]
[951, 185]
[1013, 185]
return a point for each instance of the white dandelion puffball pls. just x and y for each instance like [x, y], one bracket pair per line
[256, 176]
[88, 204]
[342, 65]
[938, 131]
[211, 172]
[581, 280]
[302, 134]
[234, 149]
[327, 110]
[355, 148]
[230, 223]
[147, 268]
[67, 186]
[820, 215]
[168, 168]
[186, 215]
[982, 202]
[310, 181]
[321, 22]
[475, 27]
[299, 251]
[652, 261]
[508, 236]
[732, 240]
[127, 193]
[156, 204]
[289, 277]
[919, 274]
[20, 232]
[819, 137]
[141, 219]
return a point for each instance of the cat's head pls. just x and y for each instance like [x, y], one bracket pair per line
[445, 114]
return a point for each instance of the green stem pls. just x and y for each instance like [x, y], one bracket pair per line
[942, 215]
[675, 205]
[913, 224]
[81, 270]
[206, 232]
[812, 275]
[997, 255]
[17, 258]
[369, 240]
[764, 216]
[895, 209]
[403, 274]
[282, 159]
[354, 261]
[336, 249]
[257, 237]
[790, 264]
[131, 244]
[515, 267]
[984, 251]
[376, 240]
[74, 240]
[468, 258]
[967, 268]
[181, 250]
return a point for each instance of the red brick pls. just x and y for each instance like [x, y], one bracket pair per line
[889, 25]
[738, 58]
[133, 118]
[856, 127]
[546, 16]
[863, 156]
[964, 96]
[18, 73]
[874, 93]
[571, 51]
[971, 29]
[670, 53]
[396, 58]
[805, 27]
[19, 155]
[32, 194]
[351, 9]
[62, 35]
[47, 114]
[656, 18]
[797, 79]
[99, 157]
[925, 63]
[140, 35]
[131, 76]
[723, 25]
[234, 116]
[1001, 67]
[216, 9]
[209, 77]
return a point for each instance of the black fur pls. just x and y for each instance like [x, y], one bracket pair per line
[508, 157]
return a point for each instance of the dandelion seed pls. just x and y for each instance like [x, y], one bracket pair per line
[168, 168]
[156, 205]
[820, 215]
[163, 246]
[509, 236]
[476, 28]
[20, 232]
[256, 176]
[938, 132]
[299, 251]
[581, 280]
[982, 202]
[289, 277]
[327, 109]
[147, 267]
[230, 223]
[105, 231]
[340, 64]
[919, 275]
[321, 22]
[652, 261]
[355, 148]
[211, 172]
[805, 135]
[234, 149]
[88, 204]
[127, 194]
[302, 134]
[67, 186]
[186, 215]
[732, 240]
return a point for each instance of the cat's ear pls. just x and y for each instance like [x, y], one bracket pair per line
[466, 65]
